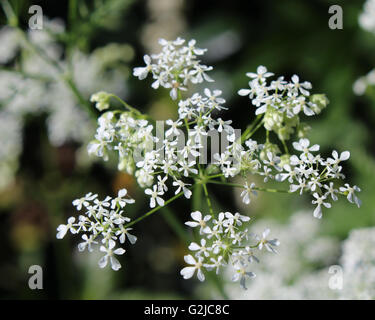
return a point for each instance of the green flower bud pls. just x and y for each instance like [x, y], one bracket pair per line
[320, 101]
[102, 100]
[284, 159]
[212, 169]
[285, 132]
[269, 147]
[303, 130]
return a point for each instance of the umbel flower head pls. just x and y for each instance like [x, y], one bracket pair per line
[171, 161]
[224, 243]
[102, 224]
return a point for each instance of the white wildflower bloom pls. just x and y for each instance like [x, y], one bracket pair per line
[110, 255]
[101, 220]
[222, 246]
[350, 193]
[199, 220]
[268, 244]
[155, 193]
[336, 159]
[304, 146]
[87, 242]
[161, 161]
[64, 228]
[366, 19]
[319, 201]
[121, 200]
[182, 186]
[197, 265]
[174, 66]
[240, 274]
[245, 194]
[84, 201]
[261, 74]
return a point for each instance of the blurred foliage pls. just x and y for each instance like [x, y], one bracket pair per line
[288, 37]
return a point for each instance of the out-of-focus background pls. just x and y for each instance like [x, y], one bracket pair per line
[46, 123]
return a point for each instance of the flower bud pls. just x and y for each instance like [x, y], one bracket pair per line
[320, 101]
[102, 100]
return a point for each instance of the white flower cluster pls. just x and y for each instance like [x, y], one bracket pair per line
[121, 132]
[367, 17]
[176, 161]
[358, 264]
[314, 174]
[301, 270]
[367, 22]
[103, 219]
[224, 242]
[361, 85]
[305, 172]
[175, 66]
[171, 159]
[281, 101]
[34, 86]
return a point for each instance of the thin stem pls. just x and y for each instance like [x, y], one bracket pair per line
[126, 105]
[285, 146]
[250, 127]
[255, 130]
[208, 199]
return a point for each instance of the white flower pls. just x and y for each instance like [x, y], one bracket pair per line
[215, 263]
[303, 146]
[121, 200]
[337, 159]
[188, 272]
[268, 244]
[155, 193]
[261, 74]
[104, 203]
[245, 194]
[319, 202]
[84, 200]
[124, 233]
[174, 127]
[303, 87]
[64, 228]
[198, 221]
[349, 191]
[181, 185]
[201, 249]
[142, 72]
[241, 274]
[115, 264]
[86, 243]
[235, 219]
[331, 191]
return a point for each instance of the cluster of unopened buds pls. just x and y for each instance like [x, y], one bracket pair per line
[177, 157]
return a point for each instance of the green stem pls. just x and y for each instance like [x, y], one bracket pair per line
[250, 127]
[285, 146]
[255, 130]
[197, 197]
[128, 106]
[208, 199]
